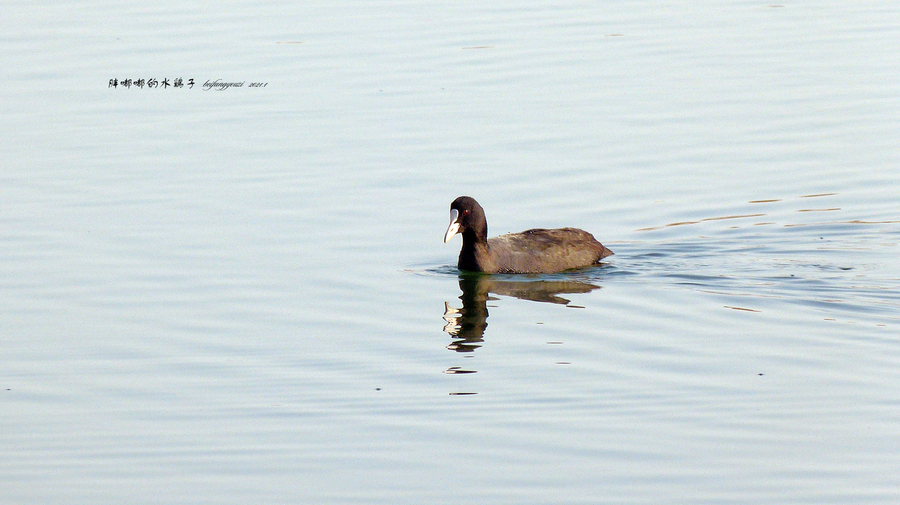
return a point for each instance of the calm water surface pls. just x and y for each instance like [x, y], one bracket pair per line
[242, 296]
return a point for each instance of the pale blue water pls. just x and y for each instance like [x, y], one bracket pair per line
[242, 296]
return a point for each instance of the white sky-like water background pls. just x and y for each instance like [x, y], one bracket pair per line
[242, 296]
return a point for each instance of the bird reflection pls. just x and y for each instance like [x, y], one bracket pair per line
[468, 324]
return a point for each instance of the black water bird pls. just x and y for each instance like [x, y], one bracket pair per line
[533, 251]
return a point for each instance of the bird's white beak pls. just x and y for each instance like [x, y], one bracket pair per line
[453, 229]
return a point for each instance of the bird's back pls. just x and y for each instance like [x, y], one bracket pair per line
[545, 251]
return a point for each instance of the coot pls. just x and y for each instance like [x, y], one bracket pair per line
[532, 251]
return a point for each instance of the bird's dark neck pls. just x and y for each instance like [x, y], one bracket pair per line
[473, 248]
